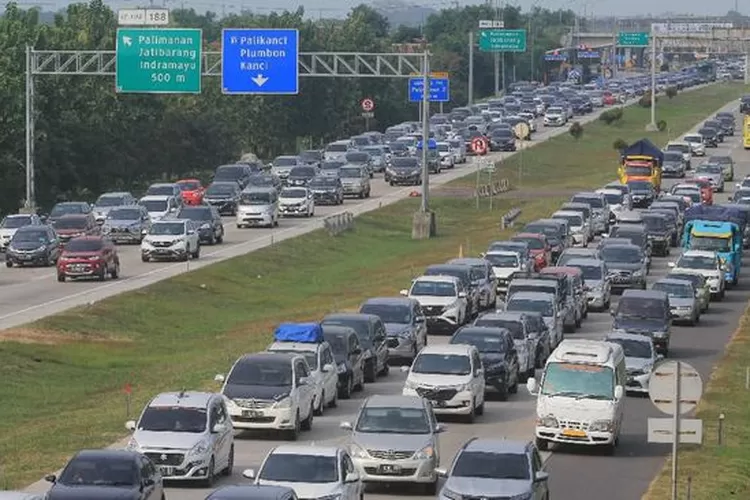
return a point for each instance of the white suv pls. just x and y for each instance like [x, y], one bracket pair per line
[706, 264]
[443, 300]
[270, 391]
[296, 202]
[188, 436]
[451, 377]
[174, 239]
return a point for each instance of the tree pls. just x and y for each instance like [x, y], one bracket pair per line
[576, 130]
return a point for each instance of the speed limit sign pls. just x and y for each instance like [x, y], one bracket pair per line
[368, 104]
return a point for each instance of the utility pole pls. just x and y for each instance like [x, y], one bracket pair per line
[497, 55]
[471, 67]
[531, 49]
[652, 126]
[30, 202]
[615, 33]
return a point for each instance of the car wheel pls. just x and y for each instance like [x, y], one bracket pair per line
[306, 425]
[230, 465]
[472, 413]
[541, 444]
[293, 434]
[220, 237]
[430, 489]
[502, 392]
[371, 371]
[8, 263]
[212, 240]
[61, 277]
[345, 392]
[197, 252]
[321, 404]
[102, 276]
[144, 258]
[513, 389]
[115, 272]
[210, 474]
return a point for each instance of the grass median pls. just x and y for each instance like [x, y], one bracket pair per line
[64, 376]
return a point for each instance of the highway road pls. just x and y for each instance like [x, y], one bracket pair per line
[575, 474]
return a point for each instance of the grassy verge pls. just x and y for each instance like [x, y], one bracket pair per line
[718, 471]
[64, 375]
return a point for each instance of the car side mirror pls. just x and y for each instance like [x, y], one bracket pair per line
[130, 425]
[541, 476]
[51, 478]
[347, 426]
[405, 293]
[328, 368]
[219, 378]
[532, 386]
[248, 473]
[218, 428]
[461, 295]
[439, 428]
[357, 351]
[351, 477]
[441, 472]
[618, 392]
[302, 381]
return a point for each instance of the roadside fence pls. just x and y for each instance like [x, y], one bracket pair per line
[509, 219]
[492, 189]
[338, 223]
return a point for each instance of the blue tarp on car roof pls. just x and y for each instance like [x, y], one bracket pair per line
[644, 147]
[309, 333]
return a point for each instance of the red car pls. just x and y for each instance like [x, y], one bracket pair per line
[71, 226]
[609, 99]
[539, 248]
[88, 257]
[192, 191]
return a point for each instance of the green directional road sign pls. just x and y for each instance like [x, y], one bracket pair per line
[632, 39]
[158, 61]
[502, 40]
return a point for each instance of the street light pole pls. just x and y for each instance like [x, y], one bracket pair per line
[471, 67]
[652, 126]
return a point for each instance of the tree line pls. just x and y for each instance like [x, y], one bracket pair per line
[90, 139]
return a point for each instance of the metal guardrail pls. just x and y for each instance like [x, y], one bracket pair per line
[509, 219]
[493, 189]
[338, 223]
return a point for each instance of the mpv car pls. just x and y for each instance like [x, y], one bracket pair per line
[645, 312]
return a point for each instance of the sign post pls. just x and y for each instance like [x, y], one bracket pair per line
[368, 106]
[158, 61]
[675, 388]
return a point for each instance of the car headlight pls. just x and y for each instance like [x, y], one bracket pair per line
[523, 496]
[205, 226]
[463, 387]
[638, 274]
[410, 385]
[547, 421]
[660, 334]
[601, 426]
[199, 449]
[133, 445]
[357, 451]
[283, 403]
[341, 368]
[425, 453]
[451, 494]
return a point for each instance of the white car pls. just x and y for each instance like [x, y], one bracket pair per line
[459, 150]
[296, 202]
[447, 156]
[580, 230]
[11, 223]
[443, 300]
[618, 201]
[160, 206]
[530, 119]
[697, 146]
[451, 377]
[555, 117]
[314, 472]
[270, 391]
[505, 264]
[174, 239]
[640, 359]
[188, 435]
[707, 264]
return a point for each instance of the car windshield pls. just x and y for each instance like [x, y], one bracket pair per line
[339, 343]
[640, 186]
[350, 172]
[484, 342]
[332, 165]
[515, 327]
[293, 193]
[544, 307]
[614, 198]
[154, 205]
[263, 373]
[389, 313]
[65, 209]
[673, 156]
[694, 139]
[595, 202]
[710, 243]
[167, 229]
[674, 290]
[720, 160]
[697, 262]
[195, 213]
[308, 172]
[163, 190]
[442, 364]
[633, 348]
[357, 157]
[373, 151]
[84, 245]
[30, 237]
[189, 185]
[443, 147]
[310, 156]
[71, 223]
[502, 260]
[257, 198]
[393, 420]
[323, 183]
[228, 173]
[554, 111]
[110, 201]
[573, 220]
[697, 280]
[361, 326]
[709, 169]
[337, 148]
[578, 380]
[614, 253]
[109, 471]
[408, 162]
[297, 468]
[682, 148]
[124, 214]
[220, 190]
[433, 288]
[693, 194]
[173, 419]
[638, 171]
[285, 161]
[15, 222]
[591, 273]
[655, 223]
[488, 465]
[640, 307]
[534, 243]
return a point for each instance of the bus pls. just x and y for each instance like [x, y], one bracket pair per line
[746, 131]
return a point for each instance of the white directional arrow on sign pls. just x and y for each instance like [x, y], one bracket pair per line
[259, 80]
[127, 41]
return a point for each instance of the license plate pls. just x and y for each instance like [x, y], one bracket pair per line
[25, 257]
[573, 433]
[161, 250]
[251, 414]
[389, 469]
[166, 471]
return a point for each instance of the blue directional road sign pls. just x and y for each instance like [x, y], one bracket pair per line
[260, 61]
[431, 144]
[440, 89]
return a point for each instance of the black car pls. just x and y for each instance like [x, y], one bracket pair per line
[727, 125]
[716, 125]
[313, 157]
[301, 176]
[710, 137]
[326, 190]
[502, 140]
[349, 356]
[68, 208]
[498, 353]
[33, 245]
[398, 149]
[107, 474]
[673, 164]
[224, 196]
[372, 337]
[404, 170]
[745, 104]
[642, 193]
[433, 161]
[637, 234]
[658, 232]
[675, 231]
[265, 180]
[207, 220]
[239, 173]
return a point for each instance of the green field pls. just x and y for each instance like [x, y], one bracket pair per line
[64, 375]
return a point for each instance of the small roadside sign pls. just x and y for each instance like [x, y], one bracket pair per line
[367, 105]
[479, 145]
[661, 387]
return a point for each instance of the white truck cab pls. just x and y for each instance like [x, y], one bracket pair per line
[580, 396]
[307, 340]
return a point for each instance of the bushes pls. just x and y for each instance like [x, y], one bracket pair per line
[671, 92]
[645, 101]
[576, 130]
[612, 116]
[619, 144]
[661, 125]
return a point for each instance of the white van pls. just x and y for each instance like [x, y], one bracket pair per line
[580, 398]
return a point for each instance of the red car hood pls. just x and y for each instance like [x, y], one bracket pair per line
[81, 255]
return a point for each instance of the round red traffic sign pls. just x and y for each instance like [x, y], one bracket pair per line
[479, 145]
[368, 104]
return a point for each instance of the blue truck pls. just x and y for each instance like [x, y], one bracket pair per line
[718, 229]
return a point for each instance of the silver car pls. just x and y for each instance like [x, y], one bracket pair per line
[596, 282]
[108, 201]
[405, 324]
[576, 253]
[496, 468]
[640, 359]
[483, 278]
[683, 304]
[395, 439]
[355, 180]
[713, 173]
[627, 265]
[127, 224]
